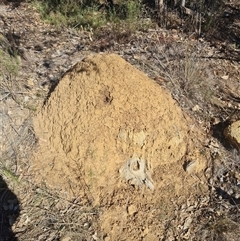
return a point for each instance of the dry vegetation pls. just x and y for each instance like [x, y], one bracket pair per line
[188, 58]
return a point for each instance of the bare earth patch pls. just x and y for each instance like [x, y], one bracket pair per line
[117, 158]
[103, 114]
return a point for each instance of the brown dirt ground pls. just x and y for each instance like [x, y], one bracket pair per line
[175, 210]
[102, 113]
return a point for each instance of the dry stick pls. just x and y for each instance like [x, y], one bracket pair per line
[200, 25]
[4, 97]
[19, 92]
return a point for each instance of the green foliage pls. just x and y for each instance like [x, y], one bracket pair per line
[4, 171]
[69, 13]
[8, 64]
[66, 7]
[9, 67]
[129, 10]
[90, 14]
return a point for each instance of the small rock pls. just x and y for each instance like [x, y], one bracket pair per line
[225, 77]
[196, 108]
[132, 209]
[26, 98]
[86, 225]
[66, 239]
[189, 166]
[30, 82]
[95, 237]
[187, 223]
[232, 134]
[215, 120]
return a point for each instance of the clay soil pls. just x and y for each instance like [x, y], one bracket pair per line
[102, 113]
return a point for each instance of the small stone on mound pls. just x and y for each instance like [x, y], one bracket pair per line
[232, 133]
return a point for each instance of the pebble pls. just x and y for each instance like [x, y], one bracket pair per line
[66, 239]
[190, 166]
[132, 210]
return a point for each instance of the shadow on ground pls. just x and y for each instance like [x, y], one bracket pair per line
[9, 211]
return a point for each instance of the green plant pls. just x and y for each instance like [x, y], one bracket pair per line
[9, 67]
[69, 12]
[134, 10]
[4, 171]
[30, 107]
[91, 14]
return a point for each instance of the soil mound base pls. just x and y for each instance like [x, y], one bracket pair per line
[110, 132]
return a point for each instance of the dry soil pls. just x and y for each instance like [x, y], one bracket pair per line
[105, 116]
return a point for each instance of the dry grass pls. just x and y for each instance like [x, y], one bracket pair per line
[47, 216]
[8, 71]
[44, 215]
[184, 68]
